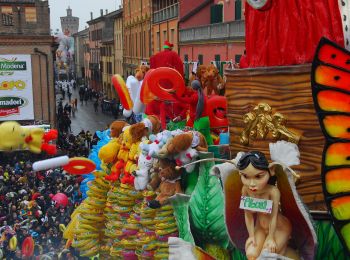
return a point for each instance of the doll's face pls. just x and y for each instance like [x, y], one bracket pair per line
[254, 179]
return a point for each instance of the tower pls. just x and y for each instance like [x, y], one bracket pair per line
[69, 23]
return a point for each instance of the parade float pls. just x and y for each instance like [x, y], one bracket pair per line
[168, 188]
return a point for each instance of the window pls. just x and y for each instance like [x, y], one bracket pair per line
[238, 9]
[172, 35]
[158, 41]
[186, 66]
[238, 58]
[7, 15]
[218, 64]
[30, 14]
[164, 36]
[200, 59]
[216, 14]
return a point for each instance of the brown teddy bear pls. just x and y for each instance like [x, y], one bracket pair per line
[117, 128]
[149, 125]
[183, 142]
[169, 183]
[213, 81]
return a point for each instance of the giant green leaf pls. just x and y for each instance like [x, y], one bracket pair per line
[207, 209]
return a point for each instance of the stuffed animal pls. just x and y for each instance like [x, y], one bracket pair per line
[15, 137]
[185, 157]
[149, 125]
[213, 81]
[156, 143]
[145, 163]
[109, 152]
[170, 183]
[183, 142]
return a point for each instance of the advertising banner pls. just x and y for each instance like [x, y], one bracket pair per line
[16, 89]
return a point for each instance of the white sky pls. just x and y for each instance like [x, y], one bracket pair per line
[81, 9]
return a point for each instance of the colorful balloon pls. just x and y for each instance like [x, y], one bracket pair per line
[122, 90]
[61, 199]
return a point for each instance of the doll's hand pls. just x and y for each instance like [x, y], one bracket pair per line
[270, 244]
[250, 240]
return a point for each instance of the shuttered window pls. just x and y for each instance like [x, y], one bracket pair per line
[216, 14]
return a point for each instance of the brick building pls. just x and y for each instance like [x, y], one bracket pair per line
[211, 31]
[137, 33]
[93, 72]
[165, 21]
[70, 23]
[25, 29]
[118, 43]
[108, 52]
[80, 40]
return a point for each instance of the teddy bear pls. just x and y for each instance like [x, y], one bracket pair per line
[156, 143]
[142, 177]
[213, 81]
[182, 142]
[149, 125]
[170, 183]
[185, 157]
[123, 155]
[109, 152]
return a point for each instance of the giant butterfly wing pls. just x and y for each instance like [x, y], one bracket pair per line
[330, 80]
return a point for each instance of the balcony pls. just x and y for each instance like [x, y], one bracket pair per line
[218, 31]
[167, 13]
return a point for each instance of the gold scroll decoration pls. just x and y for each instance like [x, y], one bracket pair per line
[260, 122]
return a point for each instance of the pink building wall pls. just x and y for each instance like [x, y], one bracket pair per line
[200, 18]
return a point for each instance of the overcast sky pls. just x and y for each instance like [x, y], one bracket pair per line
[80, 8]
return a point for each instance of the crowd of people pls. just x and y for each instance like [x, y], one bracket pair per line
[27, 207]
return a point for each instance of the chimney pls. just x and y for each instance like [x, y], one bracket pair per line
[91, 15]
[101, 11]
[106, 11]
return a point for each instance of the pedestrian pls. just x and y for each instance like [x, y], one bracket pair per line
[69, 95]
[86, 97]
[63, 93]
[96, 105]
[76, 104]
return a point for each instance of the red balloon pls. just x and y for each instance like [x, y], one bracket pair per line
[123, 92]
[164, 80]
[217, 111]
[61, 199]
[28, 247]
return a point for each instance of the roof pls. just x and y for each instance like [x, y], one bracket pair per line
[110, 15]
[195, 10]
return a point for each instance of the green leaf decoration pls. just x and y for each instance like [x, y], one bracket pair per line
[207, 209]
[180, 205]
[329, 246]
[217, 251]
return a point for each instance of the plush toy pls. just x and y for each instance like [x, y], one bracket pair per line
[185, 157]
[145, 163]
[170, 183]
[213, 81]
[149, 125]
[140, 72]
[183, 142]
[156, 143]
[109, 152]
[15, 137]
[123, 155]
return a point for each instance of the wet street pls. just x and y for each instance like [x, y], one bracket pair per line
[86, 118]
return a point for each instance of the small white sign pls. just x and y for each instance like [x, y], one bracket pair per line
[258, 205]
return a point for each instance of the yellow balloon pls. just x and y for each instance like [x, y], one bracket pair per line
[13, 243]
[62, 227]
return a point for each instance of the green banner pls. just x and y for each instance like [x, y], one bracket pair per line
[13, 65]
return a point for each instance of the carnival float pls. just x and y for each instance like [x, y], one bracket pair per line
[237, 169]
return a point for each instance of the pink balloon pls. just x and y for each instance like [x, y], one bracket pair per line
[60, 199]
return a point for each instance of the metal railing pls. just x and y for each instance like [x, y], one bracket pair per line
[167, 13]
[229, 30]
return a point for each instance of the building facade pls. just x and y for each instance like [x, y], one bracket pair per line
[80, 39]
[93, 72]
[118, 43]
[211, 31]
[25, 29]
[108, 53]
[69, 23]
[165, 24]
[137, 34]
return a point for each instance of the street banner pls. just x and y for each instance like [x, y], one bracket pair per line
[16, 88]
